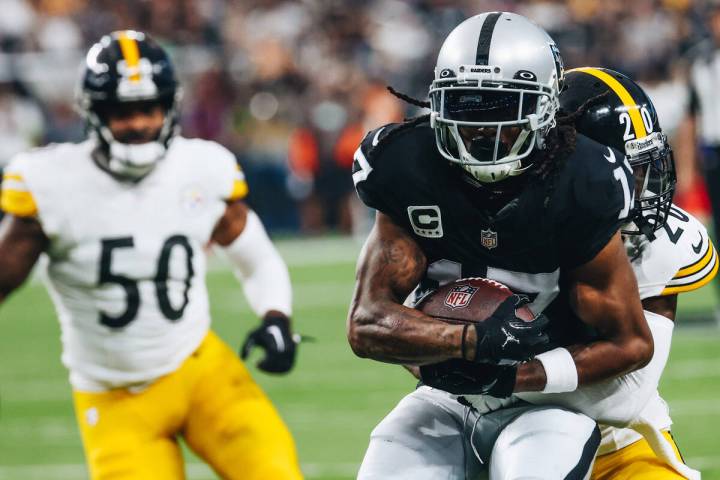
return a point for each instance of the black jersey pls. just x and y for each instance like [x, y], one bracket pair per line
[525, 245]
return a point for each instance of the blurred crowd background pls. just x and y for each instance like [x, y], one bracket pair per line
[292, 86]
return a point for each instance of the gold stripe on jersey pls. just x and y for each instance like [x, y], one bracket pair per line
[697, 282]
[240, 187]
[239, 190]
[693, 268]
[632, 107]
[13, 176]
[18, 202]
[131, 54]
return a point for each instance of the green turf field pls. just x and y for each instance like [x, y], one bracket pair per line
[332, 399]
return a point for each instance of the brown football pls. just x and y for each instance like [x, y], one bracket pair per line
[469, 300]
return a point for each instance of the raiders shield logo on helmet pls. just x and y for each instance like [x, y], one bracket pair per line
[459, 296]
[488, 239]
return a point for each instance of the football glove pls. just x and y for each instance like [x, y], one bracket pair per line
[506, 339]
[275, 338]
[462, 377]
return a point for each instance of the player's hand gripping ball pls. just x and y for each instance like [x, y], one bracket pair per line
[507, 331]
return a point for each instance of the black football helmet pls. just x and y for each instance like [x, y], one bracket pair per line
[615, 111]
[128, 66]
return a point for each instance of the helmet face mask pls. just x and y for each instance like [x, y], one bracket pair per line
[653, 165]
[124, 71]
[511, 98]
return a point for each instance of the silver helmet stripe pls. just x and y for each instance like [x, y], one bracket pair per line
[483, 47]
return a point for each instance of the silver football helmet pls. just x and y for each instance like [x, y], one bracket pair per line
[497, 81]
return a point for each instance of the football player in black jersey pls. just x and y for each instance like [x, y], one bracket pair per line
[494, 184]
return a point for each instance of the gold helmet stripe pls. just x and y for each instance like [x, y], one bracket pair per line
[131, 54]
[632, 107]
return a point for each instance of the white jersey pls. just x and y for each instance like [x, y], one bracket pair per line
[126, 267]
[680, 259]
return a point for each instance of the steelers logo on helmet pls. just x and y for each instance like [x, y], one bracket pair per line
[128, 68]
[499, 107]
[616, 111]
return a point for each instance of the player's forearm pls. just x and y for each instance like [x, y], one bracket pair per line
[392, 333]
[603, 294]
[593, 363]
[21, 242]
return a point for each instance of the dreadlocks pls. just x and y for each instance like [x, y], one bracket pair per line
[560, 144]
[409, 99]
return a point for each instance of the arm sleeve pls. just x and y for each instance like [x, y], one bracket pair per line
[260, 268]
[618, 401]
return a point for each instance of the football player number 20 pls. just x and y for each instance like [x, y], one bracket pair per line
[132, 292]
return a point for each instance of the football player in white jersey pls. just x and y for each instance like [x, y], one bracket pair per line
[670, 252]
[123, 219]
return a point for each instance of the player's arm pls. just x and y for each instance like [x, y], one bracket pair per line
[382, 328]
[603, 293]
[266, 282]
[665, 305]
[22, 240]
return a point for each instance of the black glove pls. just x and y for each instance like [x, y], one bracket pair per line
[273, 336]
[462, 377]
[506, 339]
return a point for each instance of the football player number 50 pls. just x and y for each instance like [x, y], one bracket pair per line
[132, 292]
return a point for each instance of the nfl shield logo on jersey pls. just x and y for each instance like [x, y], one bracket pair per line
[460, 296]
[488, 239]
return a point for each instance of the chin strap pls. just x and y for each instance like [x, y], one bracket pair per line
[129, 158]
[662, 449]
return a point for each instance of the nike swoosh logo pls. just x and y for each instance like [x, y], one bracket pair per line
[697, 248]
[490, 385]
[274, 330]
[376, 138]
[610, 158]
